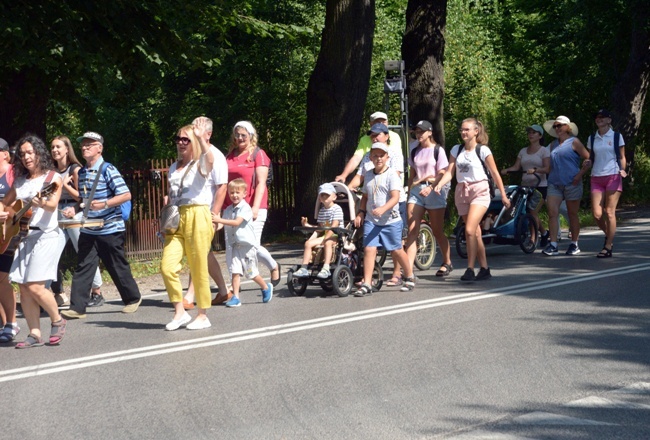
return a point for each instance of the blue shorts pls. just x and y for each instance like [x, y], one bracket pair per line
[566, 192]
[432, 201]
[387, 236]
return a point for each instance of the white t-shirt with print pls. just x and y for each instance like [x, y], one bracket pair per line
[469, 168]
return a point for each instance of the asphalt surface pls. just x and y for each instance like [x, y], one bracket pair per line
[550, 347]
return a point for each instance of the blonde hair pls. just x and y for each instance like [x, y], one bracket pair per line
[238, 183]
[252, 133]
[196, 146]
[482, 136]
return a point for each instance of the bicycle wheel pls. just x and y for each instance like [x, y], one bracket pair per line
[381, 256]
[377, 277]
[527, 233]
[426, 247]
[461, 243]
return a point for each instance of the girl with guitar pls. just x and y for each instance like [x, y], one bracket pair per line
[29, 213]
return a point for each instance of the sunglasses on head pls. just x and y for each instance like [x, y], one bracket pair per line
[182, 140]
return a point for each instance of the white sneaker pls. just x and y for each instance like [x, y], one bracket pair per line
[323, 274]
[175, 324]
[199, 324]
[301, 273]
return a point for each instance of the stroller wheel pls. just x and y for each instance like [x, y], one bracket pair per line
[297, 286]
[342, 280]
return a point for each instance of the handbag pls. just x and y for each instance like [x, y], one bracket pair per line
[170, 215]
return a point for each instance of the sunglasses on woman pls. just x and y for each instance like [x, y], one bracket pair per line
[556, 126]
[182, 140]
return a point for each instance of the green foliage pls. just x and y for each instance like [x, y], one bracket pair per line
[637, 188]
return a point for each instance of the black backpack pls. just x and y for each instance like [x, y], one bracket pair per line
[487, 172]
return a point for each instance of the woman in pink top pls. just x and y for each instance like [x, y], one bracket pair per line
[428, 163]
[247, 161]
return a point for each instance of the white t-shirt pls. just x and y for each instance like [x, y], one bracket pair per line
[469, 167]
[605, 163]
[219, 173]
[378, 188]
[196, 188]
[26, 190]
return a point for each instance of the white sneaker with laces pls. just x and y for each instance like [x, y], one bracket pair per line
[323, 274]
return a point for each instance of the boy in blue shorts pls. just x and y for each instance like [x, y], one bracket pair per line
[240, 237]
[329, 215]
[379, 214]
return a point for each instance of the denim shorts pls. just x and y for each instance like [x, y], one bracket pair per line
[432, 201]
[387, 236]
[566, 192]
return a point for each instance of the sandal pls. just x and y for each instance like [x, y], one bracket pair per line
[364, 290]
[187, 305]
[409, 284]
[57, 332]
[395, 281]
[9, 333]
[276, 281]
[447, 271]
[605, 253]
[31, 341]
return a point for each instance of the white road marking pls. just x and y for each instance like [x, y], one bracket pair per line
[262, 332]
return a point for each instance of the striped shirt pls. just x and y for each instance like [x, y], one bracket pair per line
[111, 183]
[326, 216]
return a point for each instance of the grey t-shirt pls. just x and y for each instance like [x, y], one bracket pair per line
[377, 187]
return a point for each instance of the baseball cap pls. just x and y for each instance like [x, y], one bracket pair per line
[378, 128]
[4, 146]
[378, 115]
[424, 125]
[603, 112]
[326, 188]
[379, 146]
[91, 135]
[536, 128]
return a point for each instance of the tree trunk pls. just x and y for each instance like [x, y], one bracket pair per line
[336, 96]
[423, 49]
[629, 94]
[23, 104]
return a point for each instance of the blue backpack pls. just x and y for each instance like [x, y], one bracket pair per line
[125, 207]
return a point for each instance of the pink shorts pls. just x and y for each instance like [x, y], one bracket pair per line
[474, 193]
[600, 184]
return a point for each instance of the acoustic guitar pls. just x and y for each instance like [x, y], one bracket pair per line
[16, 227]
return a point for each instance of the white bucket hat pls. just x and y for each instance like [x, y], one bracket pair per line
[548, 125]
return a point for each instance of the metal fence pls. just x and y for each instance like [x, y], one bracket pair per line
[149, 186]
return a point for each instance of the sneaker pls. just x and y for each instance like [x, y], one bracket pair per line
[133, 307]
[573, 249]
[9, 332]
[199, 324]
[267, 293]
[72, 314]
[323, 274]
[301, 273]
[175, 324]
[233, 302]
[550, 250]
[483, 274]
[96, 300]
[468, 275]
[543, 241]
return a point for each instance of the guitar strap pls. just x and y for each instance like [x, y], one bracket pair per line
[90, 196]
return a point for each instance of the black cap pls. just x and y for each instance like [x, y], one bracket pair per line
[424, 125]
[603, 112]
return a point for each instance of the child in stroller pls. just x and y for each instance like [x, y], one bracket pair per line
[330, 215]
[331, 258]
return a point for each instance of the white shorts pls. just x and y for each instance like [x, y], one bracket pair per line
[243, 261]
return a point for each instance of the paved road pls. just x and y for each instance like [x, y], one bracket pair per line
[549, 348]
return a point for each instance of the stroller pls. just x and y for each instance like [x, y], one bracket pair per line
[514, 226]
[347, 258]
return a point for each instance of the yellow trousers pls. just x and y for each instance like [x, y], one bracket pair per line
[192, 240]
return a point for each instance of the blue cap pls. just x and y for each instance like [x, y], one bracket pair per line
[378, 128]
[326, 188]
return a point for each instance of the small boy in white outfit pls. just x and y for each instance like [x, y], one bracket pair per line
[329, 215]
[240, 237]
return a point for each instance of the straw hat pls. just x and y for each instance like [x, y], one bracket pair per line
[548, 125]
